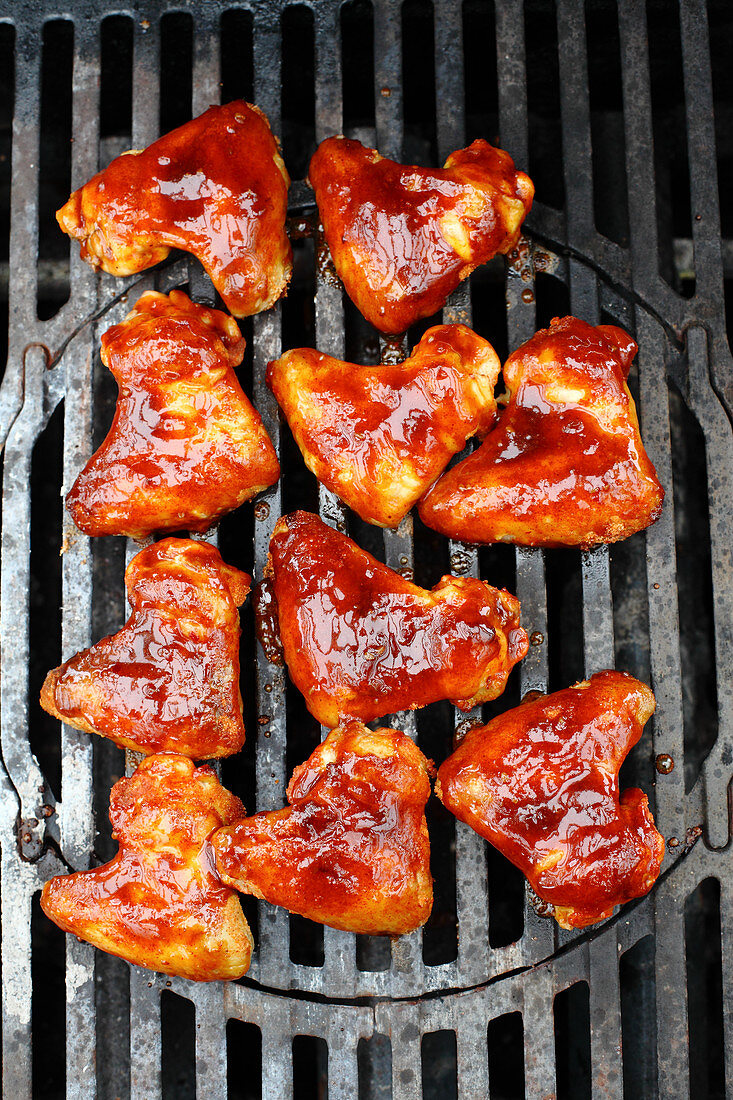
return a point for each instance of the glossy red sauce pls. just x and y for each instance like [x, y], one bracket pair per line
[360, 640]
[216, 187]
[159, 903]
[540, 782]
[169, 680]
[351, 850]
[379, 436]
[565, 464]
[185, 446]
[382, 222]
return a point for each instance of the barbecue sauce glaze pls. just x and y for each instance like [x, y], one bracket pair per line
[169, 680]
[159, 903]
[185, 446]
[565, 464]
[351, 850]
[362, 641]
[401, 237]
[216, 187]
[379, 436]
[540, 783]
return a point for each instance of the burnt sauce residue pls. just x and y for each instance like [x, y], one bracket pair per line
[267, 625]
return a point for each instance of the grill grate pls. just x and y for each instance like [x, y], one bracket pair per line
[491, 999]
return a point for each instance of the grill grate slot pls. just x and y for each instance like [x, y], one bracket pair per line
[465, 1008]
[55, 155]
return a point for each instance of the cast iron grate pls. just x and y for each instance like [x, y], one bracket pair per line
[610, 106]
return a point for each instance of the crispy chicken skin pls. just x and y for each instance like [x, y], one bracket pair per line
[379, 436]
[351, 850]
[216, 187]
[540, 782]
[402, 237]
[360, 640]
[185, 446]
[169, 680]
[565, 464]
[159, 903]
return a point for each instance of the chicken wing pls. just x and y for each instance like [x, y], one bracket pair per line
[169, 680]
[361, 640]
[159, 902]
[379, 436]
[185, 446]
[351, 850]
[565, 464]
[216, 187]
[402, 237]
[540, 782]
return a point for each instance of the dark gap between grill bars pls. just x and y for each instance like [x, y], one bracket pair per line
[55, 162]
[374, 1065]
[178, 1026]
[176, 70]
[7, 96]
[244, 1060]
[671, 166]
[47, 1005]
[310, 1068]
[638, 1016]
[418, 84]
[480, 72]
[45, 593]
[697, 627]
[438, 1059]
[115, 89]
[237, 69]
[607, 122]
[506, 1062]
[298, 96]
[705, 1003]
[543, 102]
[572, 1043]
[357, 63]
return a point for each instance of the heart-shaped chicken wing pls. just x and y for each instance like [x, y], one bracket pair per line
[159, 902]
[360, 640]
[565, 464]
[540, 782]
[216, 187]
[185, 446]
[351, 850]
[402, 237]
[169, 680]
[379, 436]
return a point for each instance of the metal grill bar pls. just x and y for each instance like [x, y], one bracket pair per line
[483, 982]
[77, 830]
[272, 955]
[472, 898]
[538, 940]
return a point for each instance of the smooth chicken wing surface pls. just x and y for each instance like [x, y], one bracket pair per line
[401, 237]
[185, 446]
[216, 187]
[351, 850]
[379, 436]
[362, 641]
[565, 464]
[540, 782]
[159, 903]
[169, 680]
